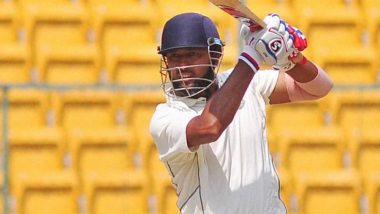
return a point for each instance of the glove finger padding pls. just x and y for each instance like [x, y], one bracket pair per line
[272, 21]
[246, 34]
[300, 41]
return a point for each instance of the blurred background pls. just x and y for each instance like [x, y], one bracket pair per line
[80, 81]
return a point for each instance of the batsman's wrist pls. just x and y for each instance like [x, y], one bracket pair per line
[251, 58]
[299, 59]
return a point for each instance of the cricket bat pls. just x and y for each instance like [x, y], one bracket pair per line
[238, 10]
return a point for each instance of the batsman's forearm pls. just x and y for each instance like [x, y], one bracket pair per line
[221, 108]
[224, 104]
[307, 82]
[303, 73]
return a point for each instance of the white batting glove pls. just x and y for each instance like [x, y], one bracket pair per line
[249, 53]
[250, 56]
[293, 35]
[273, 46]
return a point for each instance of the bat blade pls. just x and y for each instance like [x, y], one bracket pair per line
[238, 10]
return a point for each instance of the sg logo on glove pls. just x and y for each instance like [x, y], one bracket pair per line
[275, 45]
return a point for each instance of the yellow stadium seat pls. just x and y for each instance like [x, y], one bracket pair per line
[354, 64]
[341, 15]
[14, 54]
[364, 147]
[283, 8]
[229, 35]
[312, 150]
[53, 25]
[9, 22]
[50, 28]
[15, 63]
[372, 192]
[297, 115]
[126, 33]
[139, 108]
[328, 193]
[290, 119]
[166, 196]
[56, 192]
[57, 23]
[35, 151]
[74, 65]
[136, 67]
[331, 30]
[121, 193]
[91, 110]
[27, 109]
[356, 111]
[372, 19]
[128, 17]
[271, 139]
[101, 152]
[162, 188]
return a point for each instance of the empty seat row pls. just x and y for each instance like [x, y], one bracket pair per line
[334, 192]
[109, 46]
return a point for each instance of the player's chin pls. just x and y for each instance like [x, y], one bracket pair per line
[188, 92]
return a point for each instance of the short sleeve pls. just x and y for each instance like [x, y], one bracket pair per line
[168, 129]
[264, 83]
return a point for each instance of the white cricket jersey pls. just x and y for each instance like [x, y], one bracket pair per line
[235, 174]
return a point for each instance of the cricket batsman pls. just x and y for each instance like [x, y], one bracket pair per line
[211, 132]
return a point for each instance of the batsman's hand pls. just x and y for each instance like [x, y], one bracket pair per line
[273, 46]
[294, 35]
[276, 43]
